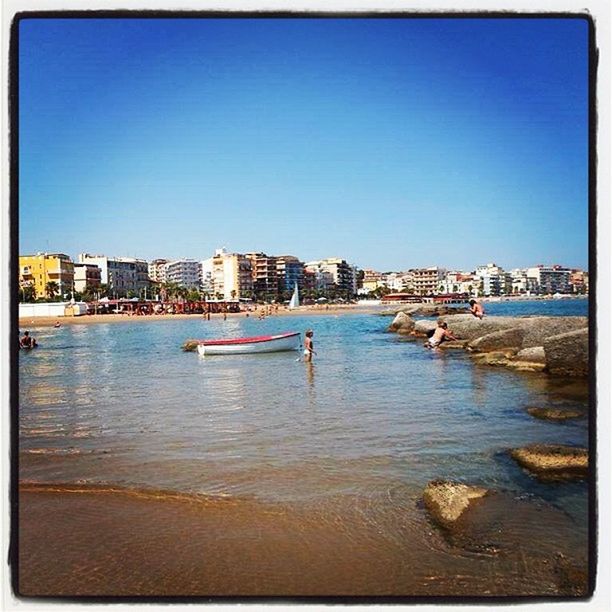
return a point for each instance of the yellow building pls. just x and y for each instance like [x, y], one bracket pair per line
[39, 270]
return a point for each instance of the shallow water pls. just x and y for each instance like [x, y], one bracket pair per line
[371, 420]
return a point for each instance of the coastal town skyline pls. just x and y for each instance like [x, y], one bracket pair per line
[408, 140]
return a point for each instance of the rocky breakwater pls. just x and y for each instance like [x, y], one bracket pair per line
[557, 345]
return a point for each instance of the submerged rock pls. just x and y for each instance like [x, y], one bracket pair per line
[494, 358]
[553, 462]
[555, 414]
[446, 501]
[568, 354]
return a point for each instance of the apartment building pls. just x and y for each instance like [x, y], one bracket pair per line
[461, 282]
[579, 281]
[86, 276]
[522, 283]
[264, 274]
[332, 273]
[206, 276]
[551, 279]
[290, 272]
[232, 275]
[427, 281]
[372, 280]
[121, 274]
[495, 280]
[157, 270]
[183, 272]
[39, 270]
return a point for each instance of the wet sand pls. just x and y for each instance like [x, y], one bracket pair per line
[123, 318]
[104, 543]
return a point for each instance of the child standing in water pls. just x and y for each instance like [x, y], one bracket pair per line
[308, 345]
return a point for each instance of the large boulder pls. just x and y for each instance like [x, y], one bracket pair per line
[568, 354]
[446, 501]
[495, 341]
[402, 323]
[537, 329]
[468, 327]
[553, 462]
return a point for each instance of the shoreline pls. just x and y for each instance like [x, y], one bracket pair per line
[233, 548]
[24, 322]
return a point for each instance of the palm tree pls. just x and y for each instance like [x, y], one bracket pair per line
[52, 289]
[27, 293]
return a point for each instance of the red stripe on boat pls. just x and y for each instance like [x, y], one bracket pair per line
[247, 340]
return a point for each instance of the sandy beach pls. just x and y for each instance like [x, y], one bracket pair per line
[116, 542]
[123, 318]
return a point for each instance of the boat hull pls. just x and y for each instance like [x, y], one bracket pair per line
[271, 344]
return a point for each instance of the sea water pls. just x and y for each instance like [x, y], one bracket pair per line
[373, 418]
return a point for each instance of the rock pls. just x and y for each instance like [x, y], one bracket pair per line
[446, 501]
[422, 327]
[190, 345]
[452, 344]
[494, 358]
[432, 310]
[525, 366]
[533, 354]
[402, 323]
[555, 414]
[507, 338]
[537, 329]
[568, 354]
[553, 462]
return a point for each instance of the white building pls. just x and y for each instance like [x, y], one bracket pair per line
[120, 274]
[461, 282]
[495, 280]
[157, 270]
[86, 275]
[523, 283]
[206, 276]
[397, 281]
[551, 279]
[184, 273]
[333, 273]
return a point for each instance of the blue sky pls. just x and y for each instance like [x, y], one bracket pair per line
[393, 143]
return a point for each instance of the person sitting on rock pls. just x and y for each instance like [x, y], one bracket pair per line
[476, 309]
[440, 334]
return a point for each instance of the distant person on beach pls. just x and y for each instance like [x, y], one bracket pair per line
[440, 334]
[308, 345]
[27, 341]
[476, 309]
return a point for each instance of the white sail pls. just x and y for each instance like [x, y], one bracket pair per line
[295, 298]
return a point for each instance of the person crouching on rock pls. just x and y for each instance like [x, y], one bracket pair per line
[476, 309]
[440, 334]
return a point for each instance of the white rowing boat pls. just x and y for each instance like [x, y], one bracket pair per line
[256, 344]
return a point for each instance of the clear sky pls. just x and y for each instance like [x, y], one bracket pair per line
[392, 143]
